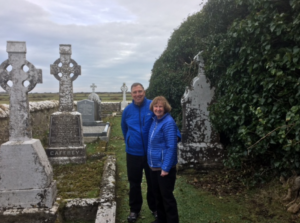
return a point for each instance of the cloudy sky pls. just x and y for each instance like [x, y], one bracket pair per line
[114, 41]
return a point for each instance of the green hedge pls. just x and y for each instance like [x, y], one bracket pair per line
[251, 50]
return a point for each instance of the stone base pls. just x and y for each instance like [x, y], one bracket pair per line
[124, 104]
[80, 209]
[26, 176]
[29, 215]
[65, 155]
[205, 156]
[103, 134]
[31, 198]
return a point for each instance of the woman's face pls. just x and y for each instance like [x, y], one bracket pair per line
[159, 110]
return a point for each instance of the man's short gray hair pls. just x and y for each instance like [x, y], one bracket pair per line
[137, 84]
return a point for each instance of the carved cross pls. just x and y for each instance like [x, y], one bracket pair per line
[62, 70]
[124, 88]
[93, 86]
[19, 113]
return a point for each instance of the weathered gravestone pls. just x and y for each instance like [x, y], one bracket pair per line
[65, 137]
[124, 103]
[27, 188]
[92, 129]
[87, 109]
[200, 146]
[95, 98]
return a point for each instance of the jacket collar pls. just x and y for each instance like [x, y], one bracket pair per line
[159, 120]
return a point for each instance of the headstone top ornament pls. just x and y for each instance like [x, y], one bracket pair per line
[93, 86]
[65, 70]
[19, 122]
[16, 47]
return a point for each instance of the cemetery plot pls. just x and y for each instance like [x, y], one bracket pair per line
[82, 180]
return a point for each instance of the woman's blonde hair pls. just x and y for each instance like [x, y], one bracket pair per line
[163, 100]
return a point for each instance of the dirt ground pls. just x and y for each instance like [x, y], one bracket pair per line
[264, 200]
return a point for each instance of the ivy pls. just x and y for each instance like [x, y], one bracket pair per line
[251, 50]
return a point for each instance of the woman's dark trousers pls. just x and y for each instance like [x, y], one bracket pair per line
[163, 188]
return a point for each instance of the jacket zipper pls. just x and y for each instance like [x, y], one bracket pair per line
[141, 130]
[151, 139]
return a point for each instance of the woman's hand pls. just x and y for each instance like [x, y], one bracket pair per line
[164, 173]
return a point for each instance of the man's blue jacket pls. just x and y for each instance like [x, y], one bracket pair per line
[136, 121]
[162, 147]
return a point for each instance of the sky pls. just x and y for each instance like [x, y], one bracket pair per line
[114, 41]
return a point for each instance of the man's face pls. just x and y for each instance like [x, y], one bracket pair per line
[138, 94]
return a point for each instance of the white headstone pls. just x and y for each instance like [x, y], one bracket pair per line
[124, 103]
[26, 176]
[200, 146]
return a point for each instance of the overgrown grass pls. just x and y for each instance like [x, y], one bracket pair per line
[196, 204]
[81, 180]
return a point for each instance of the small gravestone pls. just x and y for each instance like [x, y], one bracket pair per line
[124, 103]
[27, 188]
[97, 107]
[87, 109]
[92, 127]
[200, 146]
[65, 136]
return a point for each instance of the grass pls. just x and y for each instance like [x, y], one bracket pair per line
[197, 204]
[81, 180]
[105, 97]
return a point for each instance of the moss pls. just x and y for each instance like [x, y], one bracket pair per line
[81, 180]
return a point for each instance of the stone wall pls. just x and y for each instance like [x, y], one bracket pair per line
[40, 118]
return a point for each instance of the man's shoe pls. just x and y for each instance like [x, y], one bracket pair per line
[133, 216]
[154, 213]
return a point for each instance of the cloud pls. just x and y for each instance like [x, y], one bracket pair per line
[114, 41]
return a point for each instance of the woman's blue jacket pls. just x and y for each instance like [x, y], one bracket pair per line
[162, 143]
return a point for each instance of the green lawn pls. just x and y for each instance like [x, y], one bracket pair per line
[194, 204]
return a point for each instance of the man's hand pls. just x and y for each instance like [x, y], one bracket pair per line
[164, 173]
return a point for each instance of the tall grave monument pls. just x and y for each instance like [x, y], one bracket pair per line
[124, 103]
[200, 146]
[65, 137]
[26, 176]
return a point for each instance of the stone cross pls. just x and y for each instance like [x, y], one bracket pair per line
[19, 121]
[93, 86]
[62, 70]
[124, 88]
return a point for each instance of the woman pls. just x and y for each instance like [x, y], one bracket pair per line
[162, 159]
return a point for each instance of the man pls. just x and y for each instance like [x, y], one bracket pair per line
[136, 121]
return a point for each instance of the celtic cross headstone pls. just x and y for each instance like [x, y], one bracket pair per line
[66, 143]
[19, 122]
[66, 70]
[124, 89]
[93, 86]
[26, 176]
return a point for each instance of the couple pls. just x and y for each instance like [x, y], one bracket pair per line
[151, 136]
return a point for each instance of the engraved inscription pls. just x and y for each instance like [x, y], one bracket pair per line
[65, 152]
[65, 130]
